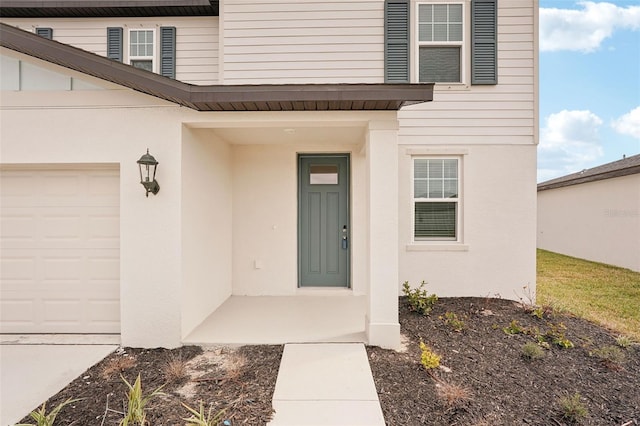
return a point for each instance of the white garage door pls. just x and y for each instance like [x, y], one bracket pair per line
[59, 247]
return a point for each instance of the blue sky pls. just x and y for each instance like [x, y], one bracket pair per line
[589, 84]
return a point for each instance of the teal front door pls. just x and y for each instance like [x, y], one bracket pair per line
[324, 240]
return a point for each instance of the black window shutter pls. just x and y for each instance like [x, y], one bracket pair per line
[114, 43]
[484, 42]
[168, 51]
[396, 41]
[45, 32]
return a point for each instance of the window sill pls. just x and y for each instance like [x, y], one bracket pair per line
[437, 247]
[445, 87]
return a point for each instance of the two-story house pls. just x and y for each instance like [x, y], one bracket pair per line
[312, 156]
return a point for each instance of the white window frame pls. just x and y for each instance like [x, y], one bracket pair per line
[153, 58]
[464, 48]
[458, 201]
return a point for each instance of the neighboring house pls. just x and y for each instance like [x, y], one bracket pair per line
[302, 146]
[594, 214]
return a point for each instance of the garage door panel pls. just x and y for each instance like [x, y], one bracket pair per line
[17, 269]
[60, 256]
[16, 313]
[62, 229]
[62, 312]
[15, 227]
[18, 186]
[102, 269]
[67, 269]
[104, 229]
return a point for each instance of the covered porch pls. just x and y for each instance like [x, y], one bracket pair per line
[241, 223]
[284, 319]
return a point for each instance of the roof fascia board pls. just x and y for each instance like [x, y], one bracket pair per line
[107, 8]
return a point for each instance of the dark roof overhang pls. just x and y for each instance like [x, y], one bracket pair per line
[106, 8]
[266, 97]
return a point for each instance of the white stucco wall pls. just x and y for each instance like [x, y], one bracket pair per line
[265, 217]
[598, 221]
[111, 126]
[207, 200]
[495, 254]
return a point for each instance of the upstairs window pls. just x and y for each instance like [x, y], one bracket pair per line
[141, 49]
[436, 199]
[440, 42]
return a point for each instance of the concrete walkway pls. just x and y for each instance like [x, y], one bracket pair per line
[326, 384]
[32, 373]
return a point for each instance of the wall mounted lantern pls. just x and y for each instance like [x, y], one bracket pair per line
[148, 166]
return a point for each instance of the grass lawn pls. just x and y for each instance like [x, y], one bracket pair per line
[604, 294]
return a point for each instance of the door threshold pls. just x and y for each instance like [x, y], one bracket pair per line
[324, 291]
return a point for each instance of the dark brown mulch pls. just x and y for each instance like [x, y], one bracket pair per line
[506, 389]
[243, 391]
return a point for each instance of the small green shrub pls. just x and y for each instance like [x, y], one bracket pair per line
[137, 402]
[609, 354]
[532, 351]
[556, 335]
[42, 418]
[418, 299]
[538, 312]
[572, 408]
[428, 358]
[624, 341]
[452, 320]
[199, 418]
[514, 328]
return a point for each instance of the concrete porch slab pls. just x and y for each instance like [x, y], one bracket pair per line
[31, 374]
[325, 384]
[287, 319]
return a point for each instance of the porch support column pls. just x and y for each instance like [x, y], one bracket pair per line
[382, 326]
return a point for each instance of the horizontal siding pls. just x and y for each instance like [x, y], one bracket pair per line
[306, 41]
[500, 114]
[197, 57]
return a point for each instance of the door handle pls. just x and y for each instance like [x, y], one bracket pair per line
[345, 241]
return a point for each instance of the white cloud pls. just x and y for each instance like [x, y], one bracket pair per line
[584, 29]
[628, 124]
[568, 143]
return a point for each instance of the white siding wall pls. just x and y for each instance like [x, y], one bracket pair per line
[305, 41]
[598, 221]
[196, 39]
[504, 113]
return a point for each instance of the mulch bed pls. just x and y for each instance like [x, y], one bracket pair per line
[240, 381]
[503, 387]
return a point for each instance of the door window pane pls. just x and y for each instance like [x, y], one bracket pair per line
[323, 174]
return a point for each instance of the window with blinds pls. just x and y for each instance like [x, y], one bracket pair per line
[440, 42]
[141, 49]
[436, 198]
